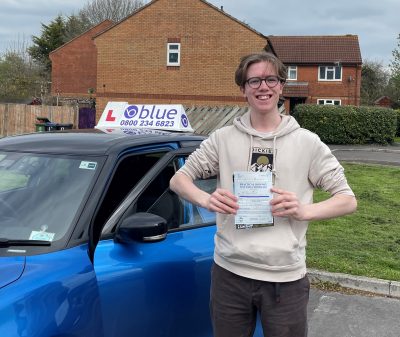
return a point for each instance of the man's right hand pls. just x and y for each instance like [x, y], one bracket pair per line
[222, 201]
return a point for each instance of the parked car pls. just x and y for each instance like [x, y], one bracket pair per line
[92, 240]
[94, 243]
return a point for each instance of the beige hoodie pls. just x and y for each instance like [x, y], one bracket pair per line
[300, 163]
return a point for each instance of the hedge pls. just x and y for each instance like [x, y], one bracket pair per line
[348, 124]
[398, 123]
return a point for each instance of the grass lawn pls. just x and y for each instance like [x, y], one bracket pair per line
[366, 243]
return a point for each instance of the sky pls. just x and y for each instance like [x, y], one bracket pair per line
[376, 23]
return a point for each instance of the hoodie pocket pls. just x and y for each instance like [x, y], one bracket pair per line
[270, 248]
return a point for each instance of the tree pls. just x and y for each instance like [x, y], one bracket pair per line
[51, 38]
[20, 78]
[394, 83]
[395, 63]
[374, 81]
[75, 25]
[99, 10]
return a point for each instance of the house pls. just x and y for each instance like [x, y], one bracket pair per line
[384, 101]
[321, 69]
[174, 51]
[74, 65]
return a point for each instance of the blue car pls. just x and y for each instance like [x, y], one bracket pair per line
[92, 240]
[94, 243]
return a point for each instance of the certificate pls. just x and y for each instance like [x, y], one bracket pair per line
[253, 190]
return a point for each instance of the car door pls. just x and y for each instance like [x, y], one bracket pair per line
[158, 288]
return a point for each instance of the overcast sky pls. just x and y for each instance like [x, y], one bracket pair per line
[377, 23]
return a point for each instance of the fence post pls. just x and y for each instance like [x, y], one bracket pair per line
[5, 133]
[50, 112]
[4, 122]
[76, 116]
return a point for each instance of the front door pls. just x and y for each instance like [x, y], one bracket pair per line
[294, 101]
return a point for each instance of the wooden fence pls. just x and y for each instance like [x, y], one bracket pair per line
[20, 118]
[206, 119]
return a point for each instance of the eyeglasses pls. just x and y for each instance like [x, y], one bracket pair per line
[270, 81]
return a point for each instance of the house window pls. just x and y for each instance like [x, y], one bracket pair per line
[330, 73]
[173, 54]
[292, 73]
[329, 102]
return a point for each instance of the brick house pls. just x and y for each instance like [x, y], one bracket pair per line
[74, 65]
[174, 51]
[384, 101]
[321, 69]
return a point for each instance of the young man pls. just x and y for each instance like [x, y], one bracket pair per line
[262, 268]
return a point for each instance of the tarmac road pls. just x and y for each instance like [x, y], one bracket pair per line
[385, 155]
[332, 314]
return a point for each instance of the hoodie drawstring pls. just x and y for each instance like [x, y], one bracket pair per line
[274, 174]
[250, 152]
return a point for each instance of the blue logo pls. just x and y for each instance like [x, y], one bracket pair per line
[149, 112]
[131, 111]
[184, 120]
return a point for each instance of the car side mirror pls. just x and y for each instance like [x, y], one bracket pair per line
[144, 227]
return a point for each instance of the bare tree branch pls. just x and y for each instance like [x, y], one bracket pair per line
[115, 10]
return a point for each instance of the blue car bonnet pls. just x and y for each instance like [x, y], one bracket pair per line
[11, 268]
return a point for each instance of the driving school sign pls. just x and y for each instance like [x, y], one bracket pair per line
[160, 117]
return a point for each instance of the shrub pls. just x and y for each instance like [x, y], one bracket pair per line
[398, 123]
[348, 124]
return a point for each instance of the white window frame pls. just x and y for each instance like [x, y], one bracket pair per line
[292, 70]
[329, 70]
[171, 51]
[328, 101]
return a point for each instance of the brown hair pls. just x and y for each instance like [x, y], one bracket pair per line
[248, 60]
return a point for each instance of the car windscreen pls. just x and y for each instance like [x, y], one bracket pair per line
[40, 195]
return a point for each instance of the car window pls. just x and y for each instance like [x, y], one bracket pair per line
[41, 194]
[128, 173]
[159, 199]
[155, 197]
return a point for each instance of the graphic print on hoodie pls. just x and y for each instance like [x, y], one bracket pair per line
[262, 159]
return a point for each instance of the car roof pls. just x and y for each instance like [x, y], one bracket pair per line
[89, 141]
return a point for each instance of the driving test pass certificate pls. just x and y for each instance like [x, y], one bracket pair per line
[253, 190]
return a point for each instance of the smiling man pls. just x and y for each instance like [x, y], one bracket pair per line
[260, 266]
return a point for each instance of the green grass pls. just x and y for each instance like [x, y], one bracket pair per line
[366, 243]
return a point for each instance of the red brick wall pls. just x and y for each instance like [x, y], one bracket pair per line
[74, 65]
[384, 102]
[132, 56]
[347, 90]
